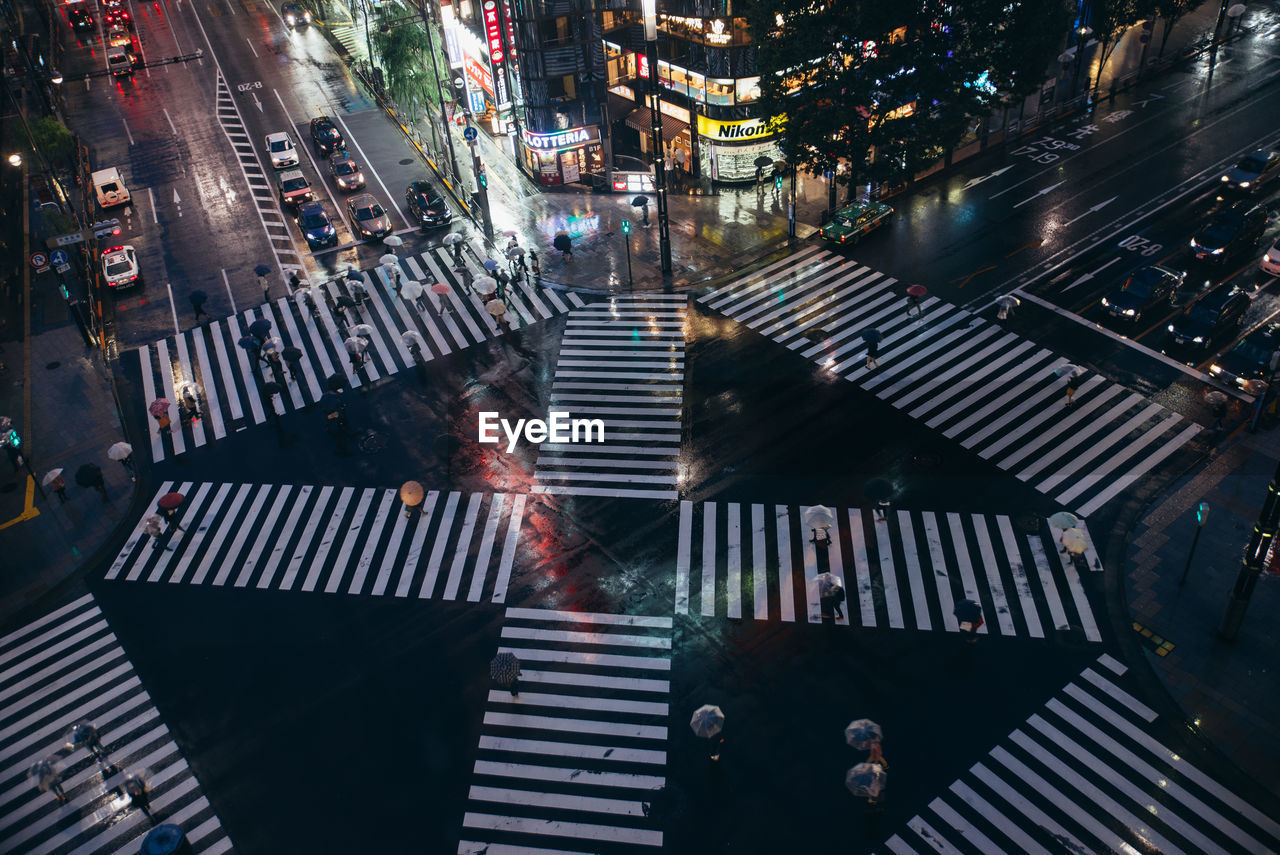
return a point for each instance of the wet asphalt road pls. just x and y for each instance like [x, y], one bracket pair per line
[370, 708]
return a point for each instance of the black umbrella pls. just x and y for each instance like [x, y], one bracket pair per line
[762, 161]
[249, 343]
[89, 475]
[345, 302]
[261, 327]
[562, 242]
[261, 270]
[292, 354]
[271, 387]
[968, 611]
[331, 401]
[335, 382]
[871, 335]
[640, 201]
[504, 669]
[878, 488]
[354, 275]
[197, 298]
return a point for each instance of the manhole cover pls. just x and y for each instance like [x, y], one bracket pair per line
[372, 441]
[406, 161]
[52, 365]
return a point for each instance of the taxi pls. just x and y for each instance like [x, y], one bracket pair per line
[851, 222]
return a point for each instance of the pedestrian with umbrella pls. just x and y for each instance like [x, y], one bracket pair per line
[359, 294]
[294, 282]
[708, 723]
[831, 594]
[867, 781]
[498, 309]
[915, 294]
[872, 338]
[355, 348]
[454, 241]
[15, 457]
[54, 481]
[1073, 373]
[412, 292]
[89, 475]
[487, 286]
[123, 452]
[1073, 542]
[262, 271]
[260, 329]
[505, 671]
[537, 267]
[1006, 304]
[159, 409]
[83, 734]
[969, 614]
[153, 527]
[364, 331]
[564, 243]
[414, 341]
[252, 346]
[168, 506]
[642, 202]
[293, 359]
[863, 734]
[271, 388]
[441, 291]
[198, 299]
[136, 786]
[1217, 402]
[46, 774]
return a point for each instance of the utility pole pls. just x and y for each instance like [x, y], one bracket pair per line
[482, 185]
[650, 9]
[1264, 532]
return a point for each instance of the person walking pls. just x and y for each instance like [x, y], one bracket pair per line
[837, 601]
[197, 302]
[93, 478]
[681, 168]
[44, 773]
[153, 527]
[171, 519]
[913, 304]
[1219, 412]
[58, 484]
[882, 510]
[537, 267]
[1073, 382]
[294, 283]
[873, 350]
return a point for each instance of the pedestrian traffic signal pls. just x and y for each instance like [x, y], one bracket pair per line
[626, 227]
[484, 178]
[13, 439]
[777, 182]
[1202, 513]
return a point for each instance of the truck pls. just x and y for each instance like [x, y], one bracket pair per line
[109, 188]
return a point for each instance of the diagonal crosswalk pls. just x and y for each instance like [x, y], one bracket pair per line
[68, 667]
[1087, 774]
[621, 362]
[573, 761]
[905, 572]
[455, 546]
[990, 390]
[226, 380]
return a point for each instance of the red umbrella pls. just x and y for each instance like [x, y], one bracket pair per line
[169, 501]
[159, 407]
[917, 290]
[439, 288]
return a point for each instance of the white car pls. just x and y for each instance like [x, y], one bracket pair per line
[1271, 261]
[280, 147]
[120, 267]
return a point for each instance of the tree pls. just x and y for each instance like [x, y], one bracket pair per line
[1171, 11]
[1027, 37]
[405, 54]
[53, 138]
[1110, 19]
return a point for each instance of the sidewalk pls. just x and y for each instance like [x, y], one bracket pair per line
[1227, 690]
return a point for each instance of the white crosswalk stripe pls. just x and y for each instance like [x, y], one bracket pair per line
[1085, 774]
[577, 755]
[990, 390]
[621, 362]
[905, 572]
[68, 667]
[225, 380]
[358, 541]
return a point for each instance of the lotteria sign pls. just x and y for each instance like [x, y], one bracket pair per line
[562, 139]
[493, 32]
[748, 129]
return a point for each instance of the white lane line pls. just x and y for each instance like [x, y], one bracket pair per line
[152, 199]
[1026, 843]
[563, 775]
[245, 525]
[1116, 693]
[166, 378]
[368, 164]
[572, 657]
[892, 602]
[231, 521]
[389, 557]
[861, 566]
[246, 372]
[683, 548]
[994, 583]
[246, 38]
[173, 309]
[941, 573]
[595, 681]
[786, 581]
[565, 636]
[575, 725]
[227, 282]
[487, 540]
[372, 541]
[708, 558]
[327, 539]
[412, 557]
[759, 577]
[210, 387]
[439, 545]
[1047, 583]
[1021, 584]
[169, 118]
[655, 621]
[576, 750]
[1027, 809]
[577, 702]
[268, 536]
[915, 580]
[463, 549]
[350, 540]
[733, 560]
[195, 510]
[304, 542]
[149, 394]
[1065, 803]
[189, 376]
[224, 365]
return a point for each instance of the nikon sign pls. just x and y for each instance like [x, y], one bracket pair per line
[743, 131]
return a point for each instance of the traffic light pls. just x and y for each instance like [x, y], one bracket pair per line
[777, 181]
[106, 229]
[1202, 513]
[12, 438]
[484, 177]
[626, 227]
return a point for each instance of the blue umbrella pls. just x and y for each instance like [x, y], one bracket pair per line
[261, 270]
[866, 780]
[871, 335]
[862, 733]
[491, 265]
[354, 275]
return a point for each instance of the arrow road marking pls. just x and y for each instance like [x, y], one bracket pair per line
[1086, 277]
[1097, 207]
[1041, 193]
[256, 102]
[177, 201]
[974, 182]
[1151, 97]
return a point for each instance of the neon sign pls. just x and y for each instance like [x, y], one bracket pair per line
[492, 32]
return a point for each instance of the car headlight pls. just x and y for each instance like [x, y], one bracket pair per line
[1130, 313]
[306, 16]
[1170, 327]
[1215, 369]
[1198, 339]
[1194, 245]
[1272, 259]
[1244, 183]
[1105, 302]
[1217, 251]
[288, 19]
[1226, 178]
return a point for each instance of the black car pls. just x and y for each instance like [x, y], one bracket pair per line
[80, 19]
[1256, 357]
[317, 226]
[1232, 230]
[1219, 312]
[1141, 292]
[1253, 171]
[294, 15]
[325, 135]
[427, 205]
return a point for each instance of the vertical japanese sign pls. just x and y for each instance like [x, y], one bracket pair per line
[493, 32]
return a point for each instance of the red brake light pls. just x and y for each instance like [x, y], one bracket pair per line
[115, 249]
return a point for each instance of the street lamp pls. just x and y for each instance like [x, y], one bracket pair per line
[1082, 41]
[1202, 516]
[15, 160]
[650, 10]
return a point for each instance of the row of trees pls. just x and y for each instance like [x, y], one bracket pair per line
[886, 89]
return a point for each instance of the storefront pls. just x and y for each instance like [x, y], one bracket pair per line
[727, 151]
[563, 157]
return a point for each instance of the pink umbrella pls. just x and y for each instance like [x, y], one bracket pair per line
[917, 290]
[440, 288]
[159, 407]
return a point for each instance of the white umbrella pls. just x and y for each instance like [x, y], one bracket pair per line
[411, 290]
[389, 260]
[393, 240]
[1008, 301]
[362, 330]
[49, 477]
[819, 517]
[120, 451]
[497, 308]
[827, 583]
[515, 252]
[485, 284]
[707, 721]
[355, 345]
[862, 733]
[411, 337]
[1068, 370]
[866, 779]
[1074, 541]
[1064, 519]
[452, 238]
[273, 345]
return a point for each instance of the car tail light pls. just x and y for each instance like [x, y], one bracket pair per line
[114, 249]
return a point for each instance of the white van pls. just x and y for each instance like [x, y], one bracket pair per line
[110, 189]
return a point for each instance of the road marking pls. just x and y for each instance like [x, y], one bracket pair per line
[227, 282]
[1035, 196]
[974, 182]
[29, 509]
[177, 201]
[1095, 208]
[172, 126]
[964, 280]
[127, 132]
[255, 53]
[152, 197]
[173, 309]
[369, 166]
[1087, 276]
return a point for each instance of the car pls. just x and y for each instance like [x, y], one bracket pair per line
[280, 147]
[1142, 291]
[1253, 171]
[325, 135]
[120, 61]
[120, 267]
[294, 188]
[346, 172]
[80, 19]
[1271, 260]
[294, 15]
[117, 17]
[317, 226]
[119, 36]
[1255, 357]
[1217, 313]
[851, 222]
[427, 205]
[1231, 231]
[368, 218]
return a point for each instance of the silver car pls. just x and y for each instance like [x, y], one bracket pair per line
[346, 172]
[281, 149]
[368, 218]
